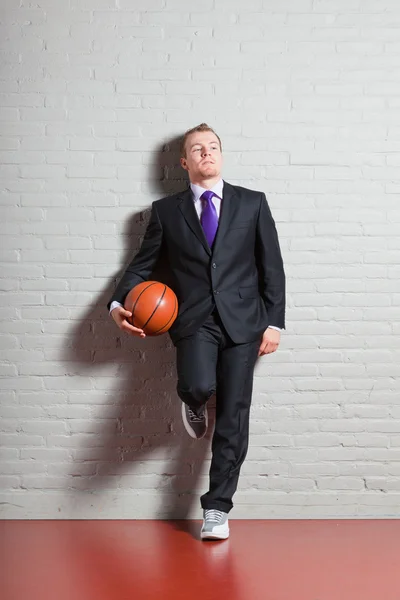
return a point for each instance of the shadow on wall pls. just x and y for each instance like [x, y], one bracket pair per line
[131, 438]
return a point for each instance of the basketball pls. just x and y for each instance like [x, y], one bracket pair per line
[154, 307]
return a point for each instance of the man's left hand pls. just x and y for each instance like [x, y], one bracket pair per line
[270, 341]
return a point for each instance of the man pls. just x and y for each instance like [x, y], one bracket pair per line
[225, 261]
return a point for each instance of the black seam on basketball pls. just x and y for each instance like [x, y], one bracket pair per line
[157, 305]
[168, 319]
[171, 317]
[136, 301]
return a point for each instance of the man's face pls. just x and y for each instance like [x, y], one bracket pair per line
[203, 156]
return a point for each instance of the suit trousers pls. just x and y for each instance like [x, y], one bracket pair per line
[209, 362]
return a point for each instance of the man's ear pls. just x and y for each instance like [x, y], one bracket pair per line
[183, 163]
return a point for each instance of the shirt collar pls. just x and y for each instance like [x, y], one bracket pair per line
[198, 190]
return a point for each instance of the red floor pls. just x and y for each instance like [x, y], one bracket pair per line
[143, 560]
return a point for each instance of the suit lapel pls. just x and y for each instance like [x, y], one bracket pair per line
[188, 210]
[226, 214]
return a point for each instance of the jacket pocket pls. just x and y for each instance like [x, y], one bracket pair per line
[249, 291]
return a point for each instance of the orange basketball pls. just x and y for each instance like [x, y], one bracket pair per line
[154, 307]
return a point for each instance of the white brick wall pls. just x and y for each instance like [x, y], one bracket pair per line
[305, 95]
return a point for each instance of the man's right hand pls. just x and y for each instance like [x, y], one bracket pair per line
[119, 314]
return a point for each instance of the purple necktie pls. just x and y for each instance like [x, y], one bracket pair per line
[209, 217]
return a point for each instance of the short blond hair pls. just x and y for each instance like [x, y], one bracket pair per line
[201, 127]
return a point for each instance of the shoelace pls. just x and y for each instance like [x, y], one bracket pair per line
[214, 515]
[193, 417]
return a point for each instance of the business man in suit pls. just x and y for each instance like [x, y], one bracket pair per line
[224, 258]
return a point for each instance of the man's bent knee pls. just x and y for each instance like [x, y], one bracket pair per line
[195, 395]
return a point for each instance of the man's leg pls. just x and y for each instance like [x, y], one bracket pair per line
[196, 364]
[231, 435]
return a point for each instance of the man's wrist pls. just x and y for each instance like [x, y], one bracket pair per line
[114, 304]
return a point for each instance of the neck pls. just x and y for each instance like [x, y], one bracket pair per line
[206, 183]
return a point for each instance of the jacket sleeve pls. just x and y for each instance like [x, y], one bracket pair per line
[144, 261]
[270, 265]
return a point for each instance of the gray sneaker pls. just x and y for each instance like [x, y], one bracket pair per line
[195, 425]
[215, 525]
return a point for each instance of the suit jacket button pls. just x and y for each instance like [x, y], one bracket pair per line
[214, 265]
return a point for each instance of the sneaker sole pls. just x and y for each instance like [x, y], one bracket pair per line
[214, 536]
[187, 426]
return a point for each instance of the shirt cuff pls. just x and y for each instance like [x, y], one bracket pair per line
[114, 304]
[273, 327]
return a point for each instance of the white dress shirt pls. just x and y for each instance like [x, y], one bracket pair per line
[197, 191]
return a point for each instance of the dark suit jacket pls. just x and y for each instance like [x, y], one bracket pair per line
[243, 274]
